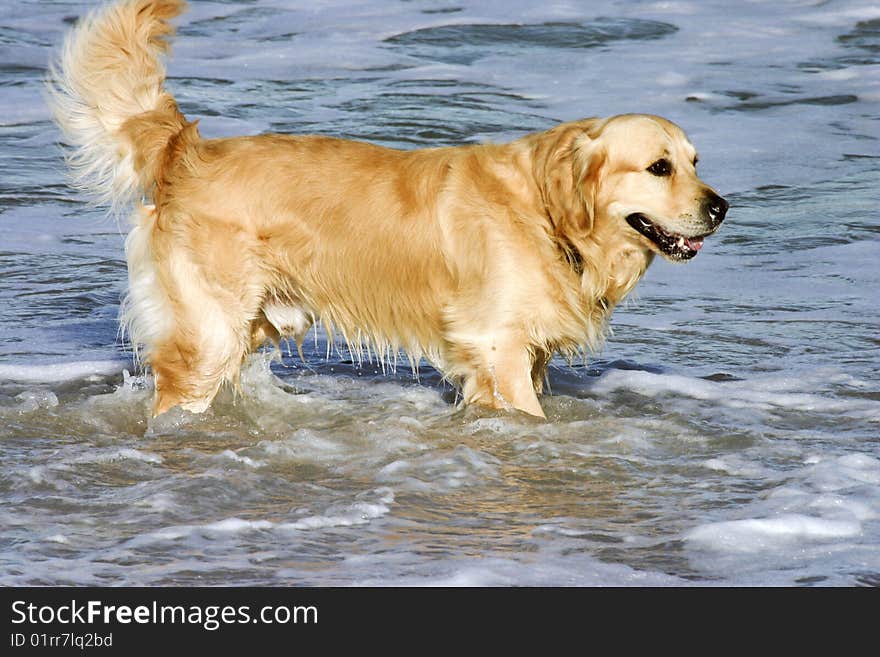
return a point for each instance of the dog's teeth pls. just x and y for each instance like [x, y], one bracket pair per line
[680, 242]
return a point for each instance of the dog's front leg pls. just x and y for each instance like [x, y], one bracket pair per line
[503, 379]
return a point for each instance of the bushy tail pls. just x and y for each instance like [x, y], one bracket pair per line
[106, 90]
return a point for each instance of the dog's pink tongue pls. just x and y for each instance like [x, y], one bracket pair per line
[695, 243]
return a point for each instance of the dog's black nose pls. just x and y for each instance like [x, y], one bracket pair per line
[715, 208]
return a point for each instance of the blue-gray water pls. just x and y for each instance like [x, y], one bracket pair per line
[729, 432]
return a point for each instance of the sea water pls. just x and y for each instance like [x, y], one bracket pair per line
[727, 434]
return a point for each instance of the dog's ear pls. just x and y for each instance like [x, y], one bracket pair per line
[568, 164]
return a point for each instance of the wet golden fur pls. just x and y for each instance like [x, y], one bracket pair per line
[483, 259]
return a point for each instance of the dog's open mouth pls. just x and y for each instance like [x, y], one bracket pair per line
[675, 247]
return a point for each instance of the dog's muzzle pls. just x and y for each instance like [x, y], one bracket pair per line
[676, 246]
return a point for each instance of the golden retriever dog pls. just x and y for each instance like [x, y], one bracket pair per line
[483, 259]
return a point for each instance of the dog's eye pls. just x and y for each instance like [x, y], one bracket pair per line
[661, 168]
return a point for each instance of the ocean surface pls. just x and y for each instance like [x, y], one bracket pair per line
[727, 434]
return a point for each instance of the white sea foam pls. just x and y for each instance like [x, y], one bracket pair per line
[31, 400]
[352, 514]
[58, 538]
[786, 391]
[57, 372]
[126, 453]
[544, 569]
[359, 513]
[306, 445]
[237, 525]
[758, 534]
[827, 502]
[238, 458]
[738, 467]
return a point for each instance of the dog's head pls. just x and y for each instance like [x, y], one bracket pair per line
[631, 176]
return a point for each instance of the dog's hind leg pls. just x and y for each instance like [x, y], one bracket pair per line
[207, 287]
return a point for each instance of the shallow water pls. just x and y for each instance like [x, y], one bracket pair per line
[727, 433]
